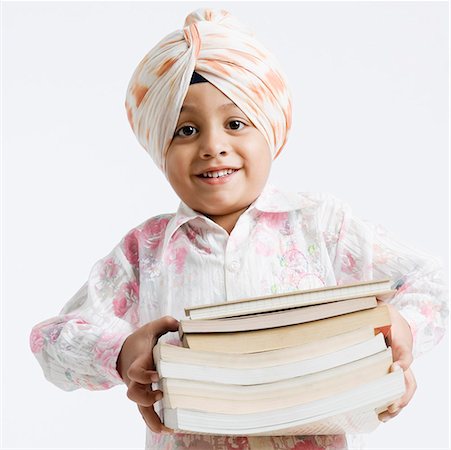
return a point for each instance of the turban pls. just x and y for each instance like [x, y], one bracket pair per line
[218, 47]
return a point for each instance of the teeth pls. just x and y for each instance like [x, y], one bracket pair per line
[217, 174]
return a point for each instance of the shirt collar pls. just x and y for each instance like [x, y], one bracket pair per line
[183, 215]
[271, 200]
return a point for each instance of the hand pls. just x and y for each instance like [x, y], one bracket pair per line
[401, 341]
[137, 369]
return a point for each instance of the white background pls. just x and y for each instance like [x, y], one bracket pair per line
[370, 89]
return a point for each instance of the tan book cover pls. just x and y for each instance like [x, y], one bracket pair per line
[277, 318]
[289, 336]
[165, 352]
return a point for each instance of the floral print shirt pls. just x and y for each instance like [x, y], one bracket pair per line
[282, 242]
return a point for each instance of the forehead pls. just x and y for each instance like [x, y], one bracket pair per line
[202, 96]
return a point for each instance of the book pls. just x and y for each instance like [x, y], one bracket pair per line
[338, 409]
[265, 367]
[306, 362]
[290, 335]
[277, 318]
[215, 397]
[169, 352]
[292, 299]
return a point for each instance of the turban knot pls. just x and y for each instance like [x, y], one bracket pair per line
[225, 52]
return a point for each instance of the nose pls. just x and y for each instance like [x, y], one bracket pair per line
[214, 143]
[212, 153]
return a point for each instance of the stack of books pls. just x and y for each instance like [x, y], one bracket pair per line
[305, 362]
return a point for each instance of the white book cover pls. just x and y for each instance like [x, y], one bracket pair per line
[270, 373]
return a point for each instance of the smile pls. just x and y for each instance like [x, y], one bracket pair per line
[218, 177]
[217, 174]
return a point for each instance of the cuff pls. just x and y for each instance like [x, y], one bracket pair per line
[107, 351]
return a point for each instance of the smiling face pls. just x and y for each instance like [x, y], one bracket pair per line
[217, 162]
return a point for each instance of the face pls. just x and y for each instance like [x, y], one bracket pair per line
[217, 162]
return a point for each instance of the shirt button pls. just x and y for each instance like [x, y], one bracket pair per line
[234, 266]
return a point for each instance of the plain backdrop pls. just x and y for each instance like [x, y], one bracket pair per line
[370, 89]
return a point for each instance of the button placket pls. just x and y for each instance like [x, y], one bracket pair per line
[231, 272]
[233, 266]
[234, 258]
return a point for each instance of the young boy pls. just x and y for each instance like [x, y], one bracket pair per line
[212, 108]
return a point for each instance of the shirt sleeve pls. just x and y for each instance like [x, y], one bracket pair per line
[80, 346]
[360, 250]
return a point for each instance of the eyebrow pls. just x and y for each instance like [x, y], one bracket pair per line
[192, 107]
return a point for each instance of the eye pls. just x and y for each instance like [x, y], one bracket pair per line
[186, 131]
[236, 124]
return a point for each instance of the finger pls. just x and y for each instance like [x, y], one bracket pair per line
[143, 394]
[395, 366]
[142, 370]
[142, 375]
[152, 420]
[386, 415]
[402, 355]
[411, 387]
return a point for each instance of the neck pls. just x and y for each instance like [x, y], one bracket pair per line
[228, 221]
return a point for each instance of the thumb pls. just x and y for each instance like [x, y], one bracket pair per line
[402, 356]
[162, 326]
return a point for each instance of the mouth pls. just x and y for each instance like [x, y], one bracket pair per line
[217, 173]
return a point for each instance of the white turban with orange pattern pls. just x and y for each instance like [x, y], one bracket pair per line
[218, 47]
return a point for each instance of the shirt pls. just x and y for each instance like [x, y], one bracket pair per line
[282, 242]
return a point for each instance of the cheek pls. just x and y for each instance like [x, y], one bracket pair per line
[262, 158]
[173, 172]
[176, 163]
